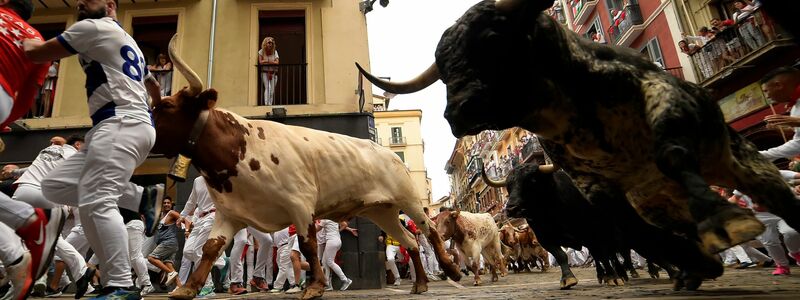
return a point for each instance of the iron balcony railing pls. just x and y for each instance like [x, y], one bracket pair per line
[282, 84]
[398, 140]
[734, 43]
[631, 15]
[164, 78]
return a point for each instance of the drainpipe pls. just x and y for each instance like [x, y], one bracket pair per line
[211, 43]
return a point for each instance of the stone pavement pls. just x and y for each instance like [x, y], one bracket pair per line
[755, 283]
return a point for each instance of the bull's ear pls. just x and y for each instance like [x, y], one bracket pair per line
[208, 98]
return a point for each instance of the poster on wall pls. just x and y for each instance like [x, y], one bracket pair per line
[743, 102]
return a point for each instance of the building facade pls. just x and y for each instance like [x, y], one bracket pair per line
[498, 152]
[731, 64]
[648, 26]
[401, 131]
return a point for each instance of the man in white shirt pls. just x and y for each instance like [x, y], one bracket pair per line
[117, 86]
[782, 85]
[201, 207]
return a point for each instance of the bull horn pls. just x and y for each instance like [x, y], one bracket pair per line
[195, 85]
[547, 168]
[491, 182]
[428, 77]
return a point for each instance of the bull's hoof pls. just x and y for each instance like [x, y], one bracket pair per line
[677, 284]
[693, 283]
[495, 278]
[568, 282]
[728, 228]
[452, 272]
[183, 293]
[477, 282]
[419, 288]
[634, 274]
[312, 293]
[615, 281]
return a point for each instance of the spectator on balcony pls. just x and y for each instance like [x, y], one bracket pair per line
[687, 48]
[268, 55]
[47, 91]
[163, 73]
[747, 26]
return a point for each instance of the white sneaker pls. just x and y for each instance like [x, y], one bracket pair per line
[397, 282]
[295, 289]
[171, 278]
[346, 284]
[275, 291]
[147, 290]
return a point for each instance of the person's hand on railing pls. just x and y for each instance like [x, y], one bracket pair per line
[775, 121]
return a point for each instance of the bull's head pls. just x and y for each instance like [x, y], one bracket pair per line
[522, 178]
[507, 235]
[446, 223]
[490, 60]
[175, 115]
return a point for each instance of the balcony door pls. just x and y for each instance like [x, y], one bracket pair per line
[288, 29]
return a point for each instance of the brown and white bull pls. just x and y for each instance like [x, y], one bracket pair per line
[473, 235]
[525, 248]
[268, 175]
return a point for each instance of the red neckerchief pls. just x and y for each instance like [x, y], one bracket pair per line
[795, 96]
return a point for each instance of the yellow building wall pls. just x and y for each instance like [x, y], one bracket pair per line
[336, 37]
[413, 150]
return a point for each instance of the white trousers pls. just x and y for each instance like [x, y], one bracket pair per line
[10, 244]
[6, 104]
[771, 237]
[31, 195]
[392, 252]
[269, 88]
[285, 270]
[263, 264]
[193, 248]
[329, 260]
[430, 263]
[98, 177]
[135, 230]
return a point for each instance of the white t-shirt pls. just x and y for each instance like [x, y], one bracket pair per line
[331, 230]
[47, 160]
[115, 69]
[281, 237]
[199, 200]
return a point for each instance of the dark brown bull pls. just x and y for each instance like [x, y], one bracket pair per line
[616, 123]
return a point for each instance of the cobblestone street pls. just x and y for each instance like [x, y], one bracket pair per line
[756, 283]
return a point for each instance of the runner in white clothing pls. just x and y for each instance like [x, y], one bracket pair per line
[333, 242]
[29, 195]
[201, 207]
[122, 136]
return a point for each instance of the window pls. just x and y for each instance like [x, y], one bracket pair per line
[287, 28]
[152, 34]
[401, 155]
[652, 51]
[397, 136]
[595, 32]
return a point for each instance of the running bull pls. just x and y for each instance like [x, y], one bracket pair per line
[268, 175]
[615, 122]
[560, 216]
